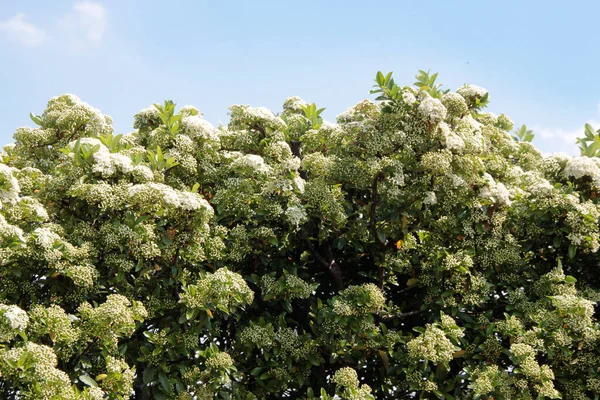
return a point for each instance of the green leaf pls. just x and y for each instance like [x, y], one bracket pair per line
[164, 382]
[148, 376]
[37, 120]
[570, 279]
[381, 235]
[572, 250]
[339, 243]
[88, 380]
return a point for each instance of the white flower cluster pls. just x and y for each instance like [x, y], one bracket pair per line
[430, 198]
[69, 113]
[495, 191]
[364, 110]
[112, 319]
[153, 193]
[146, 117]
[455, 104]
[576, 311]
[223, 289]
[579, 167]
[10, 234]
[119, 378]
[105, 162]
[13, 320]
[433, 345]
[220, 360]
[471, 93]
[200, 129]
[255, 117]
[409, 96]
[432, 109]
[452, 141]
[296, 215]
[294, 104]
[250, 165]
[346, 377]
[9, 185]
[358, 300]
[42, 380]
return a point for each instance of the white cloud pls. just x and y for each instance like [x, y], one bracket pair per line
[92, 18]
[17, 29]
[86, 24]
[564, 140]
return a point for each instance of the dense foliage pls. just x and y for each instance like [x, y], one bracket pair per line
[415, 248]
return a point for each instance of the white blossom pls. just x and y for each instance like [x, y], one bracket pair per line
[579, 167]
[432, 109]
[495, 191]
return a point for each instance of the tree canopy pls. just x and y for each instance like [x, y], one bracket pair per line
[417, 248]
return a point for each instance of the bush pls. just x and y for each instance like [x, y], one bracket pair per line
[412, 249]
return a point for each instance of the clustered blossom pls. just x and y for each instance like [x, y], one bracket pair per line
[114, 318]
[471, 93]
[288, 286]
[157, 193]
[223, 289]
[577, 312]
[296, 215]
[433, 345]
[432, 109]
[255, 118]
[579, 167]
[346, 377]
[200, 129]
[13, 321]
[359, 300]
[408, 96]
[455, 104]
[105, 162]
[146, 117]
[251, 164]
[495, 191]
[294, 104]
[220, 360]
[44, 380]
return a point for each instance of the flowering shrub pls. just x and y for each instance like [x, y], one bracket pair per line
[417, 248]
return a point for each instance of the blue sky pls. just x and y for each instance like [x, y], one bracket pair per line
[538, 59]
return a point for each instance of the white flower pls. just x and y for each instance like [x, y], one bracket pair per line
[294, 103]
[451, 139]
[495, 191]
[471, 93]
[432, 109]
[430, 198]
[251, 163]
[150, 193]
[408, 97]
[296, 215]
[300, 183]
[45, 238]
[578, 167]
[457, 181]
[16, 317]
[197, 127]
[105, 163]
[9, 185]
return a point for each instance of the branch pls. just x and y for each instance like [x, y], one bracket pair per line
[374, 194]
[373, 221]
[296, 147]
[401, 315]
[332, 267]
